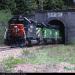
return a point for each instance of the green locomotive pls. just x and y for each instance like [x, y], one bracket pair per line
[48, 34]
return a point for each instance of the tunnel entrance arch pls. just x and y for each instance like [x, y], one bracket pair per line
[61, 29]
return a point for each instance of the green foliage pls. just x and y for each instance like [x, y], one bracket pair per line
[55, 54]
[11, 62]
[3, 4]
[29, 6]
[69, 2]
[53, 4]
[40, 4]
[26, 52]
[24, 6]
[5, 15]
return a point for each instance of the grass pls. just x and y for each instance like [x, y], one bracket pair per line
[53, 55]
[11, 61]
[46, 55]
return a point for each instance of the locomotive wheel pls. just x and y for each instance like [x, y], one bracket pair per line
[53, 41]
[28, 43]
[21, 42]
[7, 42]
[45, 41]
[38, 41]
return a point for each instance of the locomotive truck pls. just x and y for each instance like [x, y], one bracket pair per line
[22, 30]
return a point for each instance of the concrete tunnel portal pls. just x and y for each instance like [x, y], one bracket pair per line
[61, 29]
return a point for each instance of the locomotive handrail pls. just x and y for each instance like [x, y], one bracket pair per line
[27, 19]
[5, 33]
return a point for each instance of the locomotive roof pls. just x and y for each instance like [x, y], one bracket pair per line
[48, 26]
[19, 18]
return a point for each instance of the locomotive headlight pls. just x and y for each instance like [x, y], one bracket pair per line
[16, 29]
[15, 26]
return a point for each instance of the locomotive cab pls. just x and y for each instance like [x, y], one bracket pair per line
[15, 33]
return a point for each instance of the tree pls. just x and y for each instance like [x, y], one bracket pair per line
[53, 4]
[3, 4]
[18, 6]
[28, 6]
[25, 6]
[40, 4]
[31, 5]
[69, 2]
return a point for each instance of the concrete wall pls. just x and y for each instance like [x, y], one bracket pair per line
[71, 26]
[67, 18]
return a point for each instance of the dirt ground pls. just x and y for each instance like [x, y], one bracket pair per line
[5, 52]
[45, 68]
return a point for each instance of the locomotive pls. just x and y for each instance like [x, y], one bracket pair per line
[21, 30]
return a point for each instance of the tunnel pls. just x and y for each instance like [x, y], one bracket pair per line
[61, 29]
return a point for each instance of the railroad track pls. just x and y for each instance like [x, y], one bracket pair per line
[36, 47]
[5, 48]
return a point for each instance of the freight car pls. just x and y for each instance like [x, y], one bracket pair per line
[27, 32]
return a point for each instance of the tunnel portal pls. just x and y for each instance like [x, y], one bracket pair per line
[61, 29]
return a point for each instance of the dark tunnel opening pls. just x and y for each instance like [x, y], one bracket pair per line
[61, 29]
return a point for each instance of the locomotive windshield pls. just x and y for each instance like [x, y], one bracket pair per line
[19, 20]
